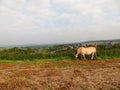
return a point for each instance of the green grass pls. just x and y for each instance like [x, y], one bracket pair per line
[56, 59]
[31, 61]
[10, 61]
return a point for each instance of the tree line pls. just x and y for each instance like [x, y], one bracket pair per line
[59, 52]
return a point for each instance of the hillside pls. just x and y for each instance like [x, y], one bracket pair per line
[75, 44]
[115, 41]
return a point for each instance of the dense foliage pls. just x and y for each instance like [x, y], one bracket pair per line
[108, 51]
[56, 52]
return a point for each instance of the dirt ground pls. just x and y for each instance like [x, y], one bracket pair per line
[61, 75]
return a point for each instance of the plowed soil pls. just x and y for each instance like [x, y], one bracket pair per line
[61, 75]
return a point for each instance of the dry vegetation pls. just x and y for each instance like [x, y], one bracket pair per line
[61, 75]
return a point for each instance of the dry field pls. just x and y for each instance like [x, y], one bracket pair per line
[61, 75]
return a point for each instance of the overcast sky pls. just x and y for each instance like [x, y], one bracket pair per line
[58, 21]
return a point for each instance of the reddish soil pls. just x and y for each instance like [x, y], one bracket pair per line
[61, 75]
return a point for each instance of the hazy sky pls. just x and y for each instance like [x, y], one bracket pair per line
[58, 21]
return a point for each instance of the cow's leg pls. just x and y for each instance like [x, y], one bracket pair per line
[92, 56]
[84, 57]
[81, 57]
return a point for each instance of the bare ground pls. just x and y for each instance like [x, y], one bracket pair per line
[61, 75]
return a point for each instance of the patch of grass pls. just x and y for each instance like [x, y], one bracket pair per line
[10, 61]
[31, 61]
[104, 57]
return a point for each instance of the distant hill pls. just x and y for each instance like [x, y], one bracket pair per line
[77, 44]
[114, 41]
[95, 42]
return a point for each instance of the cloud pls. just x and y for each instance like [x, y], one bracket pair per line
[54, 21]
[95, 9]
